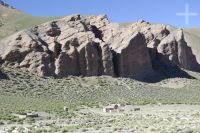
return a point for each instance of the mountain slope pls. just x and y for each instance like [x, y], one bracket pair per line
[194, 31]
[12, 20]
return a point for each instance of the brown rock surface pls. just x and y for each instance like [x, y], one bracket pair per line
[92, 46]
[176, 50]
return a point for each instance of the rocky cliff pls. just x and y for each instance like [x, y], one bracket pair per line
[93, 46]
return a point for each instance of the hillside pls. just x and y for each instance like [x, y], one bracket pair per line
[100, 90]
[13, 20]
[194, 31]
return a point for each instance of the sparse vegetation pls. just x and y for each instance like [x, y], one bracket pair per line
[78, 93]
[92, 91]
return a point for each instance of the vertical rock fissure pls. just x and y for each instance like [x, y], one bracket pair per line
[116, 63]
[58, 48]
[100, 61]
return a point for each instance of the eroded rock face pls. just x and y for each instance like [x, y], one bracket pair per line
[92, 46]
[176, 51]
[131, 55]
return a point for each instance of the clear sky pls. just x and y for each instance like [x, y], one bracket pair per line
[156, 11]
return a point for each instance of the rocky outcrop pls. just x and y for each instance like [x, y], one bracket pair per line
[92, 46]
[169, 44]
[175, 49]
[131, 55]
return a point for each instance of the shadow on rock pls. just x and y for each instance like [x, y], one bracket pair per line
[164, 69]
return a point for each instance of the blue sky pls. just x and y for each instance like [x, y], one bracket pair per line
[156, 11]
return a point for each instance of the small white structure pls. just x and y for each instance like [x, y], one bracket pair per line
[32, 115]
[112, 108]
[65, 108]
[25, 115]
[20, 116]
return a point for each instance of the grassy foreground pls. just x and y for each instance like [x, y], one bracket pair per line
[25, 91]
[85, 97]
